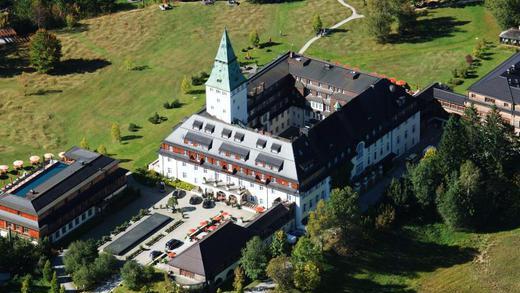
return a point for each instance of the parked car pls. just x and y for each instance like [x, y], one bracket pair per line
[208, 203]
[162, 187]
[172, 244]
[195, 199]
[155, 254]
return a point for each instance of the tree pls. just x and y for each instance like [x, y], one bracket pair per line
[506, 12]
[254, 38]
[102, 150]
[453, 146]
[62, 289]
[116, 133]
[344, 208]
[405, 15]
[172, 202]
[79, 254]
[45, 51]
[425, 178]
[305, 250]
[320, 226]
[84, 277]
[84, 143]
[307, 276]
[254, 258]
[317, 24]
[47, 271]
[280, 269]
[379, 19]
[186, 85]
[238, 282]
[169, 286]
[400, 192]
[104, 265]
[40, 13]
[134, 275]
[26, 284]
[54, 288]
[279, 245]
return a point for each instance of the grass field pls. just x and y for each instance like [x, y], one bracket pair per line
[431, 259]
[93, 87]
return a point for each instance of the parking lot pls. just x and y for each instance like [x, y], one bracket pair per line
[193, 216]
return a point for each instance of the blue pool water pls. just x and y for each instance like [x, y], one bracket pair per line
[41, 178]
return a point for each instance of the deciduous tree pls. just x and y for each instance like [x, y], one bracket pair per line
[45, 51]
[279, 245]
[280, 269]
[116, 133]
[254, 38]
[254, 258]
[47, 271]
[317, 24]
[238, 282]
[379, 19]
[307, 276]
[506, 12]
[26, 284]
[186, 85]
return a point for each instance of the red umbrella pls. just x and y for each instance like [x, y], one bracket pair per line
[260, 209]
[204, 223]
[225, 213]
[401, 83]
[217, 218]
[392, 80]
[192, 230]
[212, 228]
[172, 254]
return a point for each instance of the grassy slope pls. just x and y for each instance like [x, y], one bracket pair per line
[445, 37]
[171, 44]
[431, 259]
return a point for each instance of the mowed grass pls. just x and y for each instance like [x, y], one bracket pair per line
[94, 88]
[442, 40]
[430, 259]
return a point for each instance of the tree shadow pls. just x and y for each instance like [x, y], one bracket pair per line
[125, 160]
[71, 66]
[337, 30]
[391, 254]
[14, 61]
[130, 137]
[429, 29]
[197, 92]
[78, 28]
[269, 44]
[42, 92]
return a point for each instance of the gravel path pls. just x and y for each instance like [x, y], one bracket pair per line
[354, 15]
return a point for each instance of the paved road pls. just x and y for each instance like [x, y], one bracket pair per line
[354, 15]
[64, 279]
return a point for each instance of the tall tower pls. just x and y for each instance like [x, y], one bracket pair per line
[226, 88]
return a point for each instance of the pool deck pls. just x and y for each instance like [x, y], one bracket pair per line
[37, 179]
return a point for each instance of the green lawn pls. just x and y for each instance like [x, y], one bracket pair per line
[94, 88]
[443, 38]
[430, 259]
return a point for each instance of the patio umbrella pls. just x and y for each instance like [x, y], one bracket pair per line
[260, 209]
[3, 169]
[204, 223]
[192, 230]
[172, 254]
[34, 160]
[217, 218]
[48, 156]
[61, 155]
[392, 80]
[225, 213]
[401, 83]
[212, 228]
[18, 164]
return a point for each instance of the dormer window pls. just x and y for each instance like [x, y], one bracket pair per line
[261, 143]
[226, 133]
[276, 148]
[239, 136]
[209, 128]
[197, 124]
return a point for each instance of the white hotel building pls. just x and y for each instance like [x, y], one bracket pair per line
[280, 134]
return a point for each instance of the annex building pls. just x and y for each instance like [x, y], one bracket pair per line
[278, 135]
[61, 196]
[500, 88]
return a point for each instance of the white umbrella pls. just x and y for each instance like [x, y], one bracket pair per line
[18, 164]
[61, 155]
[34, 159]
[48, 156]
[3, 169]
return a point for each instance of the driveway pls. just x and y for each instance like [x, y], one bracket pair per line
[354, 15]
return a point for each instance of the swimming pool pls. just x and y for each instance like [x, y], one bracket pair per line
[39, 179]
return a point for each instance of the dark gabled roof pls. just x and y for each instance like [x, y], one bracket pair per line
[222, 247]
[448, 96]
[512, 34]
[498, 83]
[268, 160]
[199, 139]
[226, 147]
[217, 251]
[276, 148]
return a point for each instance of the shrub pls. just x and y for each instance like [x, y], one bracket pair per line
[157, 119]
[45, 51]
[167, 105]
[456, 81]
[133, 127]
[176, 103]
[386, 218]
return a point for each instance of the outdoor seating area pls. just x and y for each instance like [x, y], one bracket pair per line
[207, 226]
[29, 172]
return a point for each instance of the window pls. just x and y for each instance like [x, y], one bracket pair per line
[184, 164]
[360, 149]
[64, 230]
[205, 170]
[252, 184]
[184, 175]
[169, 170]
[195, 167]
[413, 128]
[260, 187]
[25, 230]
[76, 221]
[69, 226]
[304, 207]
[83, 217]
[489, 100]
[90, 212]
[310, 203]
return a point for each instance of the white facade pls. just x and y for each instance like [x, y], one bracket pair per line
[398, 141]
[260, 193]
[227, 106]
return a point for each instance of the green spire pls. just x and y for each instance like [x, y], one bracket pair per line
[226, 74]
